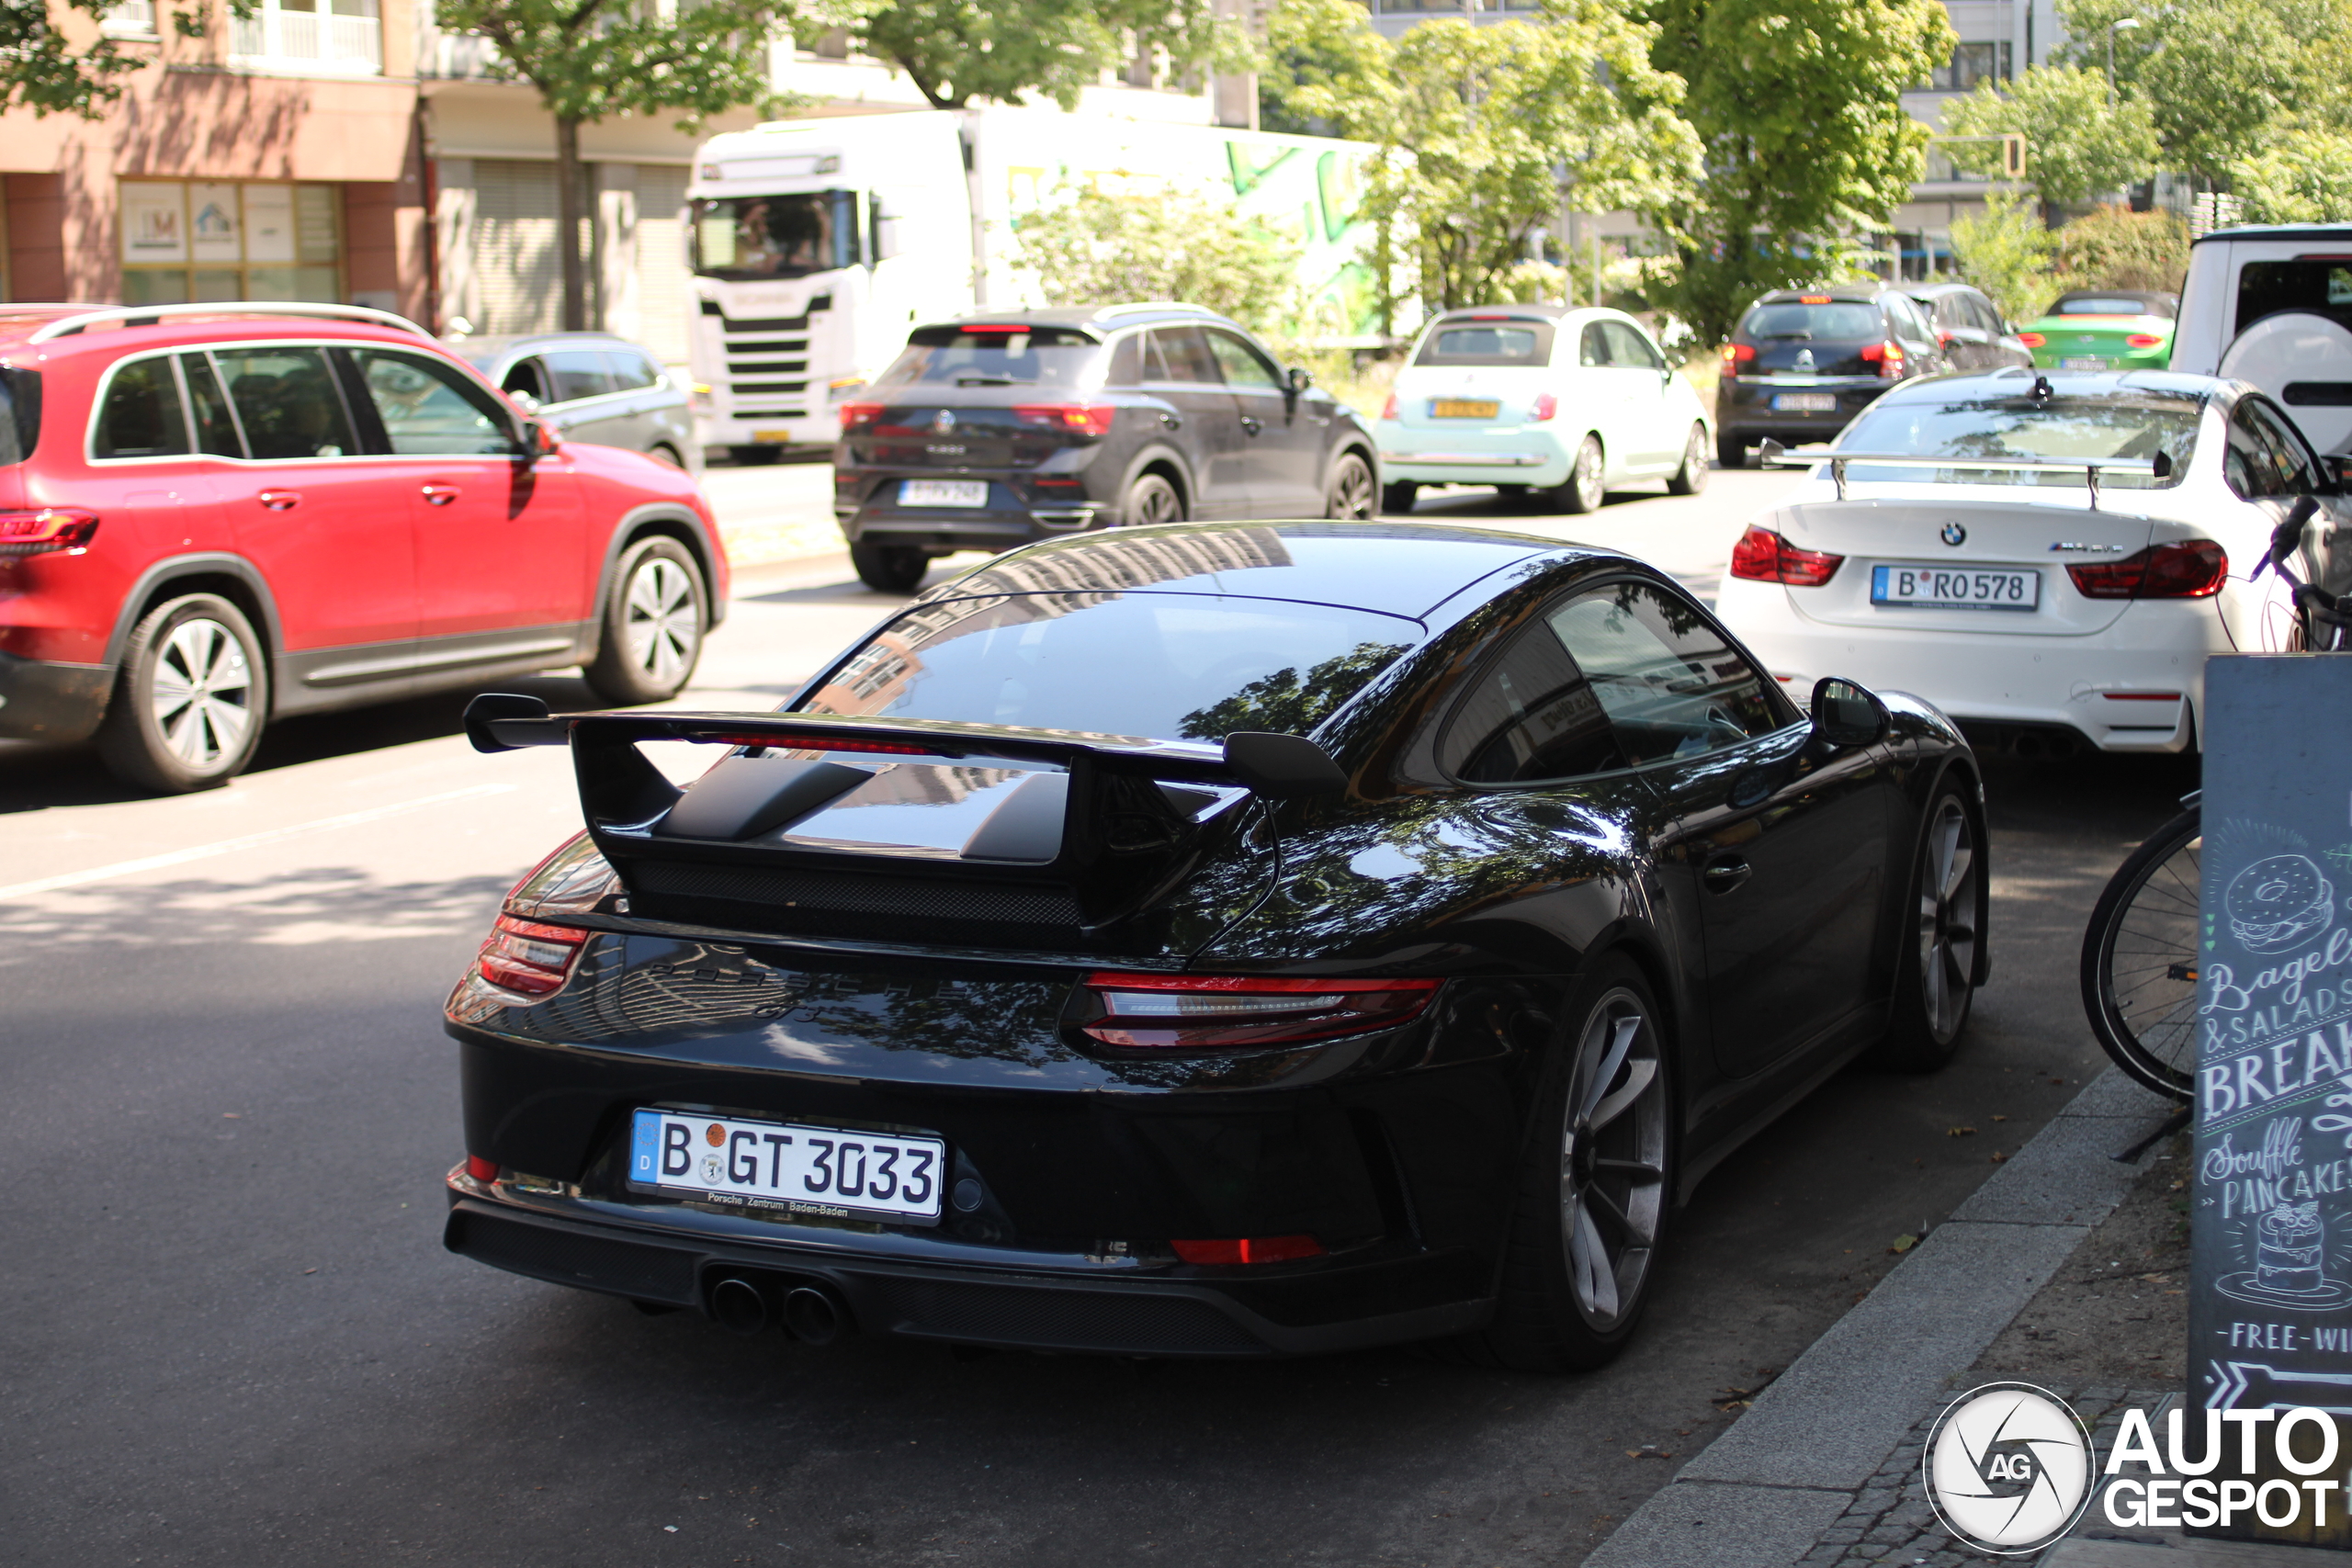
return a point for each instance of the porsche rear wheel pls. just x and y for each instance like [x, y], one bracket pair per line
[1936, 959]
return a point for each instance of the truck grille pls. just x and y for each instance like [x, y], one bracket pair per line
[767, 362]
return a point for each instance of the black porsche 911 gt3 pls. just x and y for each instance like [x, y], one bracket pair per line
[1216, 940]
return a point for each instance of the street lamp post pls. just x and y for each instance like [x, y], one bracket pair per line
[2112, 28]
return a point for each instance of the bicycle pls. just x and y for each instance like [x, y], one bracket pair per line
[2139, 967]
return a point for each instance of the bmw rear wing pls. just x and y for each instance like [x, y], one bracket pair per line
[1771, 454]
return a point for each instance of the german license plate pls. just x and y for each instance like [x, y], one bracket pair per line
[2082, 362]
[943, 492]
[1954, 588]
[1804, 402]
[772, 437]
[835, 1172]
[1463, 408]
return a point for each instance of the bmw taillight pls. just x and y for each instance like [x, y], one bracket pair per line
[2031, 340]
[1887, 357]
[529, 956]
[1388, 409]
[1762, 556]
[1543, 407]
[2192, 568]
[1091, 418]
[37, 533]
[1735, 355]
[1205, 1013]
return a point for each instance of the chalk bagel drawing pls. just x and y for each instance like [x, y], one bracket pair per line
[2277, 902]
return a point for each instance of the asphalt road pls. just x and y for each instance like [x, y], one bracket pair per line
[231, 1334]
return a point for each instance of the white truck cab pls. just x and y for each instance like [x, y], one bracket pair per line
[2273, 307]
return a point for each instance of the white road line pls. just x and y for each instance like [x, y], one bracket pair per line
[251, 841]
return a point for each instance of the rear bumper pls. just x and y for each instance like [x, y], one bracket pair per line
[1743, 409]
[865, 506]
[1034, 1309]
[1416, 455]
[42, 701]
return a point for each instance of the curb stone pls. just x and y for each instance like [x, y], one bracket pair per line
[1815, 1471]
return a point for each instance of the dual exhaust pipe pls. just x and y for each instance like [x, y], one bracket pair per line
[809, 1311]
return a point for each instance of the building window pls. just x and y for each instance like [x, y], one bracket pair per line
[342, 37]
[129, 18]
[1971, 63]
[191, 240]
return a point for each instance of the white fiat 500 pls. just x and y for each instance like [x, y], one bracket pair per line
[1541, 397]
[2059, 580]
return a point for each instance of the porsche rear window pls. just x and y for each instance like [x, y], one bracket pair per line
[1844, 322]
[2135, 424]
[1509, 341]
[1156, 666]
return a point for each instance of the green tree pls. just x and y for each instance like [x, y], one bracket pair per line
[1323, 71]
[2007, 252]
[2301, 178]
[2115, 247]
[1096, 248]
[2216, 75]
[2078, 147]
[957, 51]
[593, 58]
[1798, 108]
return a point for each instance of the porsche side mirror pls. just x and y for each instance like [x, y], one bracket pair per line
[1847, 714]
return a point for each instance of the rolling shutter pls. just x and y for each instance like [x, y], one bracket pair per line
[664, 287]
[518, 277]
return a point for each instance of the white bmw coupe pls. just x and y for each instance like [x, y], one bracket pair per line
[2049, 558]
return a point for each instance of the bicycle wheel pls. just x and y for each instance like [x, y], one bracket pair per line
[2140, 959]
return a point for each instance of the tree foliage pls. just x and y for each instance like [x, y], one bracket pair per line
[42, 69]
[2304, 176]
[2115, 247]
[2078, 147]
[959, 51]
[2216, 75]
[1097, 248]
[2007, 252]
[1798, 108]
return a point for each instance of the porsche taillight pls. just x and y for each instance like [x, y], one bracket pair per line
[529, 956]
[1206, 1013]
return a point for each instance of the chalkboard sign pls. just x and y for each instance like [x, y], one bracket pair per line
[2270, 1313]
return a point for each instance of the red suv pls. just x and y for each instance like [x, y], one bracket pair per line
[212, 516]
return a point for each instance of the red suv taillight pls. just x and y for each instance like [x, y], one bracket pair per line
[1094, 419]
[50, 528]
[529, 956]
[1762, 556]
[1198, 1012]
[2194, 569]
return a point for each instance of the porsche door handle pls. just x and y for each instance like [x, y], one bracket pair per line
[1722, 875]
[280, 500]
[438, 495]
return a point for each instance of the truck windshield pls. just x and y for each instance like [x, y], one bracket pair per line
[775, 236]
[991, 355]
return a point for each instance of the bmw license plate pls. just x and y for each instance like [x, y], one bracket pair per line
[943, 492]
[2082, 362]
[1954, 588]
[1804, 402]
[836, 1172]
[1464, 408]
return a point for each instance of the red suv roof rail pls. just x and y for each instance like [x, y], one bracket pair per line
[147, 315]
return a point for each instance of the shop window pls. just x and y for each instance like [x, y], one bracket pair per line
[1971, 63]
[188, 239]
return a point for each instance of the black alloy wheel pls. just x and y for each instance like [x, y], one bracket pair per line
[1351, 493]
[1397, 499]
[1935, 982]
[1584, 490]
[1691, 478]
[1595, 1186]
[1151, 499]
[890, 568]
[190, 701]
[654, 622]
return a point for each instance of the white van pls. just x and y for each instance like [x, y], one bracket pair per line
[2274, 307]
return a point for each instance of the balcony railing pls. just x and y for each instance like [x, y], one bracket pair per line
[309, 41]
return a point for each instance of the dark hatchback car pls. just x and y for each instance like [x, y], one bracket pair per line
[1804, 361]
[1968, 326]
[1015, 426]
[1208, 940]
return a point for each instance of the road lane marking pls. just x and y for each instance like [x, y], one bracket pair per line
[250, 842]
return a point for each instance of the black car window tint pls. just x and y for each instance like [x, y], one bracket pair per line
[631, 371]
[1162, 666]
[1592, 348]
[430, 408]
[1127, 362]
[2247, 462]
[216, 426]
[1530, 715]
[1184, 354]
[1793, 320]
[2298, 472]
[1243, 365]
[141, 416]
[577, 373]
[286, 402]
[529, 378]
[1670, 682]
[1628, 347]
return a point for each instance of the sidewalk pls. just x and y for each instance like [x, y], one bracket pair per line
[1823, 1469]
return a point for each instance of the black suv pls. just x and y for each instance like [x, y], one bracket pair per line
[1804, 361]
[1013, 425]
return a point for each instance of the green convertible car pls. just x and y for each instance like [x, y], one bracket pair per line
[2104, 329]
